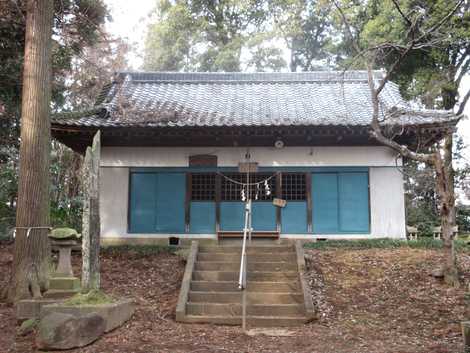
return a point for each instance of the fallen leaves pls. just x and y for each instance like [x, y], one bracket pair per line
[371, 301]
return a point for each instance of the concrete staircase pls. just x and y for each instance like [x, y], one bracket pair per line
[276, 292]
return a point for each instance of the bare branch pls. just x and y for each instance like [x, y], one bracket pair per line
[377, 131]
[441, 22]
[397, 6]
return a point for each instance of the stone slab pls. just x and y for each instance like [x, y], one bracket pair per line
[186, 282]
[60, 293]
[31, 308]
[64, 283]
[115, 314]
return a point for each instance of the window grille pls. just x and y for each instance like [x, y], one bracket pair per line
[203, 187]
[231, 191]
[293, 187]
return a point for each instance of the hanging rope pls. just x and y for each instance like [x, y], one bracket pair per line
[246, 184]
[29, 230]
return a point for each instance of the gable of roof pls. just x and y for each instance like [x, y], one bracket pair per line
[172, 99]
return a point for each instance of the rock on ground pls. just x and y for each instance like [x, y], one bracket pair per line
[65, 331]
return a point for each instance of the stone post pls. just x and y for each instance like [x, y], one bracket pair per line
[91, 217]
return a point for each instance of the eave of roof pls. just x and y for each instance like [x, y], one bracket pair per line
[158, 103]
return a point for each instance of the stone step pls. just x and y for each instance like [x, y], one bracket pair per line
[259, 276]
[292, 310]
[252, 321]
[252, 266]
[252, 297]
[60, 293]
[250, 249]
[258, 257]
[64, 283]
[232, 286]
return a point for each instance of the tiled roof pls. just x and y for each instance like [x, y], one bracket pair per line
[165, 99]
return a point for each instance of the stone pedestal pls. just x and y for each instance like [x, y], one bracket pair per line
[63, 283]
[64, 268]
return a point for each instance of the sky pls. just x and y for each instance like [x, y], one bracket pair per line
[130, 20]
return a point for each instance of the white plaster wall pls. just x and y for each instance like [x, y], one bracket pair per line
[265, 156]
[387, 203]
[114, 184]
[386, 182]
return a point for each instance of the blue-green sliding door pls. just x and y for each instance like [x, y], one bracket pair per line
[157, 202]
[232, 216]
[142, 202]
[263, 216]
[353, 202]
[340, 202]
[202, 217]
[171, 191]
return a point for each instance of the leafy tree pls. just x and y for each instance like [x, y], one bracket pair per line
[375, 41]
[231, 35]
[83, 60]
[429, 74]
[202, 35]
[307, 31]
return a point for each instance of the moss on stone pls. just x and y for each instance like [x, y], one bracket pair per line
[64, 234]
[93, 297]
[27, 327]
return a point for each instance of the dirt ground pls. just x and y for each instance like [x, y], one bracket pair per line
[374, 301]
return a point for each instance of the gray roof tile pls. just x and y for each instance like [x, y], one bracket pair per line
[168, 99]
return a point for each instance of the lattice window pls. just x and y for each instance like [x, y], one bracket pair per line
[232, 191]
[203, 187]
[293, 187]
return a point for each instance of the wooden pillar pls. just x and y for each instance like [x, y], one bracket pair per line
[308, 190]
[218, 195]
[279, 196]
[187, 202]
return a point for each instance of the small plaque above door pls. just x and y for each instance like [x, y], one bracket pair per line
[248, 167]
[203, 160]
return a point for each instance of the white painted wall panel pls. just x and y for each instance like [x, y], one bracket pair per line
[387, 202]
[114, 184]
[265, 156]
[386, 185]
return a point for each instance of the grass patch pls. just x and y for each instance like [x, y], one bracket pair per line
[385, 243]
[93, 297]
[139, 249]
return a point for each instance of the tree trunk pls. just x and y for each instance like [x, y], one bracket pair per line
[32, 250]
[445, 190]
[91, 218]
